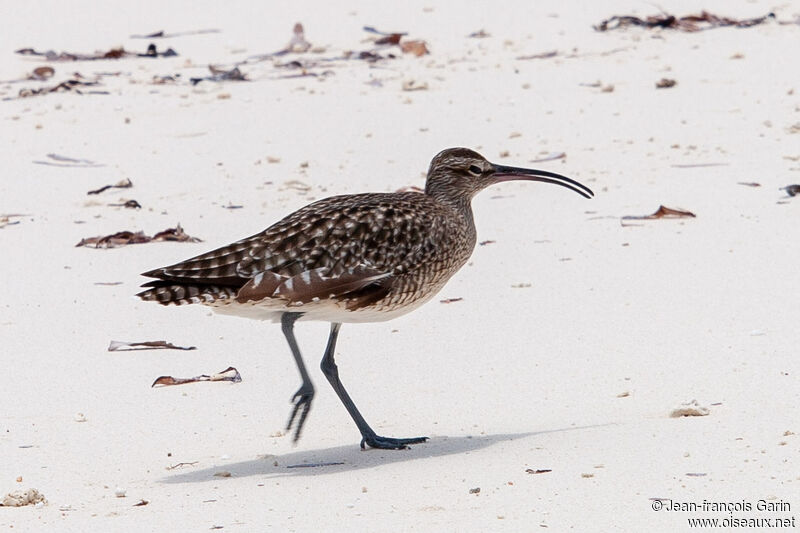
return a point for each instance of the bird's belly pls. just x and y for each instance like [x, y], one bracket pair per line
[396, 303]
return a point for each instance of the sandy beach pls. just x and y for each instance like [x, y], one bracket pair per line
[547, 373]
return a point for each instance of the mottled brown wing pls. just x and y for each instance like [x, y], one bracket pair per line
[353, 245]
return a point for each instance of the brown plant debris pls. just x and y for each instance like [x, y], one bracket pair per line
[229, 374]
[123, 184]
[665, 83]
[5, 220]
[543, 55]
[218, 74]
[662, 212]
[688, 23]
[42, 73]
[450, 300]
[128, 204]
[124, 238]
[792, 190]
[418, 48]
[480, 34]
[72, 85]
[751, 184]
[141, 503]
[538, 470]
[113, 53]
[122, 346]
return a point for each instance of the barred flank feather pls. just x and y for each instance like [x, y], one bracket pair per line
[167, 293]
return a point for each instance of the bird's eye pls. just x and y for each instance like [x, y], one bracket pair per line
[475, 170]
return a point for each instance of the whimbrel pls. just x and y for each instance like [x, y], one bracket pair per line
[352, 258]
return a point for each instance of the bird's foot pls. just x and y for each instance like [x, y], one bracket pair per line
[389, 443]
[302, 405]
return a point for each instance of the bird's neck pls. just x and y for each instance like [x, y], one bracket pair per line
[461, 206]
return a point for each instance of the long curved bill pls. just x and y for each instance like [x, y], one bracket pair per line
[503, 173]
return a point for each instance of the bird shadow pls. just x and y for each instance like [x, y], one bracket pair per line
[338, 459]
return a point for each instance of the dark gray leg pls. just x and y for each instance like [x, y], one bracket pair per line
[368, 436]
[302, 398]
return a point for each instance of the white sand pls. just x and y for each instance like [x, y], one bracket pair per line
[505, 380]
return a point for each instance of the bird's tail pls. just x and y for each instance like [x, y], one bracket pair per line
[171, 293]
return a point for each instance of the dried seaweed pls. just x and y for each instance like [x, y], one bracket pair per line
[229, 374]
[662, 212]
[418, 48]
[5, 220]
[113, 53]
[128, 204]
[72, 85]
[688, 23]
[792, 190]
[122, 346]
[218, 74]
[123, 184]
[124, 238]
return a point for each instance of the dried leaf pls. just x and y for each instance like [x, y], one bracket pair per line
[124, 184]
[792, 190]
[218, 74]
[538, 471]
[543, 55]
[665, 83]
[229, 374]
[662, 212]
[124, 238]
[129, 204]
[392, 38]
[122, 346]
[5, 220]
[175, 234]
[42, 73]
[689, 23]
[418, 48]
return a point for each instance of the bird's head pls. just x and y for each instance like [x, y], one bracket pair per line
[457, 174]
